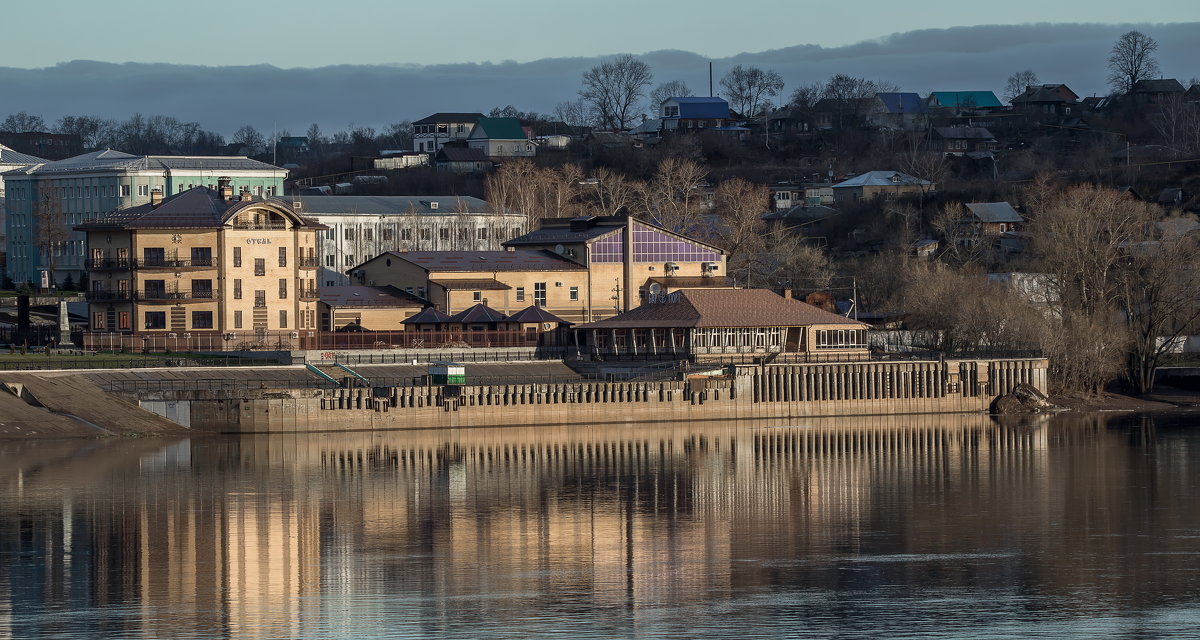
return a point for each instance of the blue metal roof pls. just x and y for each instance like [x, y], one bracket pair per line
[905, 102]
[707, 107]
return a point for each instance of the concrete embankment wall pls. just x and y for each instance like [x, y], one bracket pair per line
[785, 391]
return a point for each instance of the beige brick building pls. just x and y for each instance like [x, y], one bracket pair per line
[203, 262]
[580, 269]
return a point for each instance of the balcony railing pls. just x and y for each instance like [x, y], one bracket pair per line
[107, 295]
[308, 263]
[260, 225]
[109, 263]
[159, 294]
[174, 263]
[309, 294]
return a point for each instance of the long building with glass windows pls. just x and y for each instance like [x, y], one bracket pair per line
[94, 185]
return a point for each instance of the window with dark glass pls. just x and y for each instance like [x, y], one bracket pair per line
[202, 320]
[156, 288]
[260, 266]
[283, 256]
[202, 289]
[237, 288]
[260, 298]
[237, 319]
[153, 256]
[201, 256]
[156, 319]
[283, 288]
[237, 256]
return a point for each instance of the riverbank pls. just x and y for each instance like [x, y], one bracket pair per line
[310, 398]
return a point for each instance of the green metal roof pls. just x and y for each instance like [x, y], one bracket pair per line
[499, 129]
[956, 99]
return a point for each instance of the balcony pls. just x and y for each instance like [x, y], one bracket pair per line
[309, 294]
[119, 264]
[174, 263]
[308, 263]
[160, 295]
[111, 296]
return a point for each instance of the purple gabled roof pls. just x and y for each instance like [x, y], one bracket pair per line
[428, 315]
[534, 313]
[478, 313]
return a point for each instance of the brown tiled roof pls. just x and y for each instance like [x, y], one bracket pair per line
[711, 308]
[534, 313]
[472, 284]
[361, 296]
[428, 315]
[478, 313]
[196, 208]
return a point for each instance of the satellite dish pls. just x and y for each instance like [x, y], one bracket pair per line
[559, 249]
[655, 288]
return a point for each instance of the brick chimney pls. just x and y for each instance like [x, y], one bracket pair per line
[156, 197]
[246, 195]
[787, 293]
[225, 188]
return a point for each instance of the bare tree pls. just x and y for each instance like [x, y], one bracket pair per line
[1018, 83]
[250, 140]
[739, 206]
[750, 88]
[1131, 60]
[806, 96]
[672, 89]
[573, 113]
[672, 198]
[22, 122]
[1177, 123]
[613, 88]
[50, 231]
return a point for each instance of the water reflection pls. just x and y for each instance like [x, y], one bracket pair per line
[941, 526]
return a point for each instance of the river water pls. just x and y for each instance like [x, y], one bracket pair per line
[901, 527]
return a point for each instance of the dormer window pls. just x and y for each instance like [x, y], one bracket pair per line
[896, 178]
[671, 111]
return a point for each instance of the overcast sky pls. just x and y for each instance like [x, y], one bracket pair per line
[370, 63]
[308, 33]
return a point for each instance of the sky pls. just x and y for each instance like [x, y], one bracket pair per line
[281, 66]
[310, 33]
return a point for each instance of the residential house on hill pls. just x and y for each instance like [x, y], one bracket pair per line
[880, 184]
[1148, 92]
[52, 146]
[963, 101]
[432, 132]
[832, 113]
[1048, 103]
[897, 110]
[963, 141]
[693, 113]
[462, 160]
[992, 218]
[501, 138]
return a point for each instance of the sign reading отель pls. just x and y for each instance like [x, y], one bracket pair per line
[258, 241]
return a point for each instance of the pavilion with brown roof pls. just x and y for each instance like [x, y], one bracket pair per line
[710, 323]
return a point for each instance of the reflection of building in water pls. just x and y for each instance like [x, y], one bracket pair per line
[266, 537]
